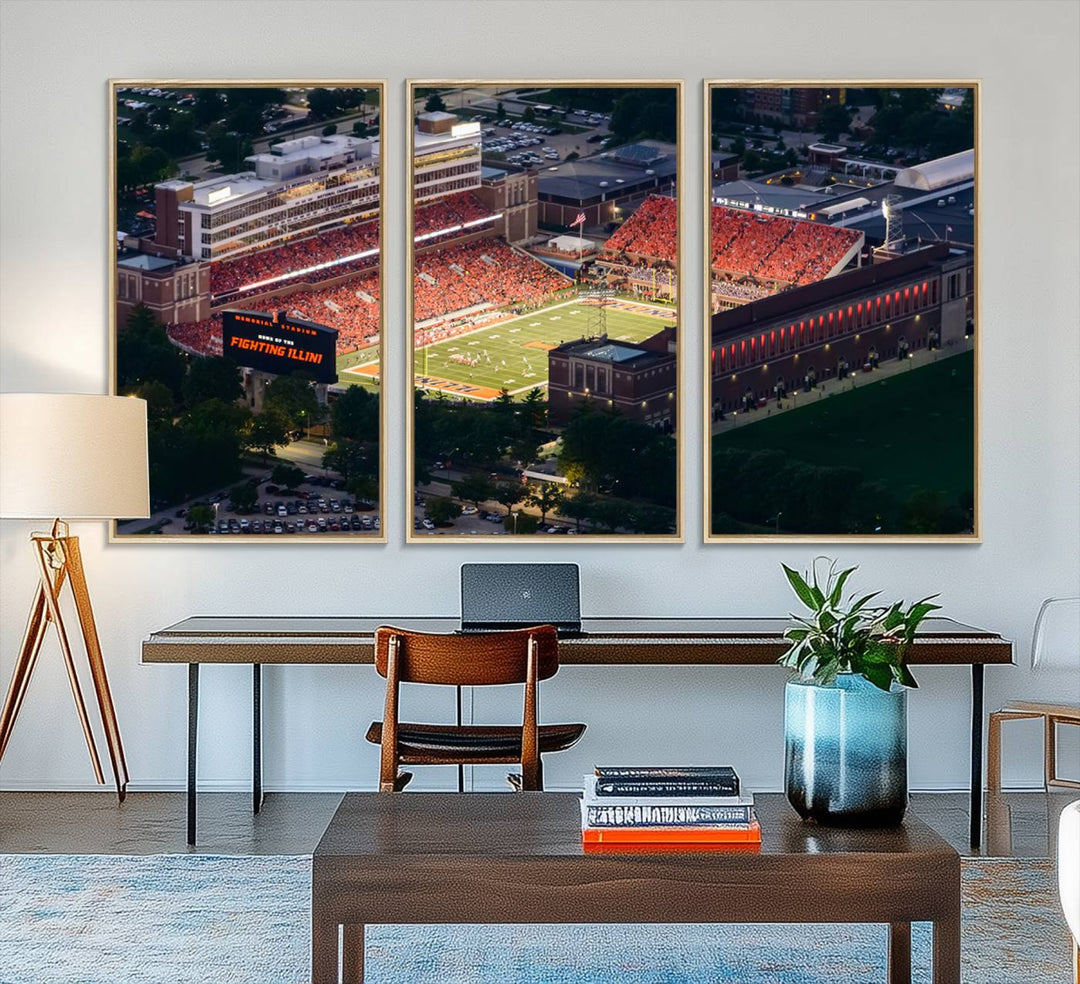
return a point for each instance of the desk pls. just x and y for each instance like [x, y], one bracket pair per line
[603, 641]
[518, 858]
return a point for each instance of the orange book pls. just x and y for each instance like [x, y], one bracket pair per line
[748, 834]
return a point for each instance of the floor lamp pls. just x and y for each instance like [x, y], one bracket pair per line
[75, 456]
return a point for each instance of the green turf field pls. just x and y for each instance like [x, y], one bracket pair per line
[364, 357]
[513, 355]
[913, 431]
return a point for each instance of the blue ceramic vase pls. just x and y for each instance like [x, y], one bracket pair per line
[846, 751]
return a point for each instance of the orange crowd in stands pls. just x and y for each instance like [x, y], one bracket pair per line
[447, 212]
[293, 257]
[484, 271]
[352, 308]
[650, 231]
[772, 247]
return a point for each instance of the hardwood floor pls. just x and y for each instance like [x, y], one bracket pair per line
[1021, 824]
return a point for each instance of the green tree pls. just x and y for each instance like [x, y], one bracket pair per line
[834, 120]
[442, 512]
[209, 106]
[323, 103]
[244, 497]
[509, 494]
[159, 399]
[474, 488]
[579, 507]
[434, 104]
[500, 111]
[287, 475]
[751, 161]
[145, 354]
[200, 516]
[294, 398]
[209, 378]
[267, 432]
[529, 116]
[360, 129]
[329, 130]
[228, 148]
[547, 497]
[355, 415]
[520, 523]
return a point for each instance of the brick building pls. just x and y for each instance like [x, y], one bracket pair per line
[638, 379]
[813, 333]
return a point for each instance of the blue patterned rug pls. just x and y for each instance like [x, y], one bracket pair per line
[246, 920]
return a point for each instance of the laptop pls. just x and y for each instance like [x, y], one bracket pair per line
[516, 596]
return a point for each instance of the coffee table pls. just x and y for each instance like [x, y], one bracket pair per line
[431, 858]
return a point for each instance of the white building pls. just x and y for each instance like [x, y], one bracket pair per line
[446, 156]
[295, 188]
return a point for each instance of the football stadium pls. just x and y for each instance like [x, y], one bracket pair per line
[492, 297]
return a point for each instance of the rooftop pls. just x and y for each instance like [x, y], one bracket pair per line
[600, 175]
[312, 147]
[145, 262]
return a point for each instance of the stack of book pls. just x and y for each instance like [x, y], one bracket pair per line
[679, 806]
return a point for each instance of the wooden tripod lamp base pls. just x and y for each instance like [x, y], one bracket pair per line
[82, 456]
[59, 561]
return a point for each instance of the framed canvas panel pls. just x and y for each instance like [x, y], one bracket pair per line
[245, 253]
[544, 309]
[841, 301]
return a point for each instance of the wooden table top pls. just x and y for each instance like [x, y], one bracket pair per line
[603, 640]
[387, 827]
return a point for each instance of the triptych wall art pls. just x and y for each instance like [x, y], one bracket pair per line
[544, 296]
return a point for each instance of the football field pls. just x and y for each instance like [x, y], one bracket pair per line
[512, 355]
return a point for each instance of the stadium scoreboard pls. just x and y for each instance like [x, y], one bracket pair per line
[280, 345]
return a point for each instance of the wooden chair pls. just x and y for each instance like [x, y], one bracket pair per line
[478, 660]
[1055, 645]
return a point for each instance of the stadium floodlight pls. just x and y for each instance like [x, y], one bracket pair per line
[311, 269]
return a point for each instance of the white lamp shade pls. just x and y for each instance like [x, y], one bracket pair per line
[73, 456]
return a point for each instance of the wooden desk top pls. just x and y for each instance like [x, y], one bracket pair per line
[615, 640]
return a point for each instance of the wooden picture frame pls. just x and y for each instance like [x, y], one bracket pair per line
[472, 373]
[261, 228]
[785, 284]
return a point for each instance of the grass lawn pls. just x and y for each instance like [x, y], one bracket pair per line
[912, 431]
[513, 355]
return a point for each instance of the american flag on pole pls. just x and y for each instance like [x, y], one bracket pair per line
[948, 228]
[579, 221]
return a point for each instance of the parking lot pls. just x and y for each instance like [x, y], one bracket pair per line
[310, 509]
[539, 144]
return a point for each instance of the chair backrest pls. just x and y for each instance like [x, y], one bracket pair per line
[469, 659]
[1055, 642]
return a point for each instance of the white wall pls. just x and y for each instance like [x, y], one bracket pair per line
[56, 58]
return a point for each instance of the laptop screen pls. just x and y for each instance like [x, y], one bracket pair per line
[509, 595]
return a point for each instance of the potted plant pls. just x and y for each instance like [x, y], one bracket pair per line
[845, 713]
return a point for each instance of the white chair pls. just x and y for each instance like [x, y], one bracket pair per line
[1055, 645]
[1069, 875]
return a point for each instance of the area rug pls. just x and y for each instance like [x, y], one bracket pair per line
[174, 919]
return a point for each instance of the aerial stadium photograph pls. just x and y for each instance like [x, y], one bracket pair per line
[841, 369]
[545, 310]
[246, 288]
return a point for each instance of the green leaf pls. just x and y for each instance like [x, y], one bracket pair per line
[800, 587]
[863, 601]
[903, 676]
[880, 676]
[838, 590]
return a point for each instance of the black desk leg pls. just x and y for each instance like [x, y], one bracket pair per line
[461, 767]
[976, 753]
[192, 748]
[256, 738]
